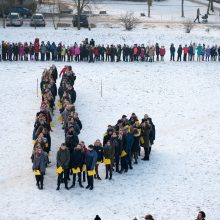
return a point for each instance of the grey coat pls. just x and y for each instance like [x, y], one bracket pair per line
[39, 163]
[63, 158]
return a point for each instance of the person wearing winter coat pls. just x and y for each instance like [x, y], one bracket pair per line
[90, 160]
[136, 145]
[129, 142]
[124, 158]
[76, 165]
[185, 52]
[116, 144]
[99, 150]
[201, 215]
[219, 53]
[146, 133]
[107, 136]
[162, 53]
[157, 51]
[172, 52]
[43, 50]
[71, 139]
[199, 52]
[207, 53]
[63, 160]
[179, 53]
[36, 49]
[197, 15]
[39, 164]
[77, 53]
[48, 50]
[21, 52]
[108, 153]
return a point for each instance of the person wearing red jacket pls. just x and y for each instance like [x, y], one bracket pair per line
[36, 49]
[63, 70]
[185, 52]
[162, 53]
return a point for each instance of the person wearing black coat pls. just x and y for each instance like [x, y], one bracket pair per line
[146, 127]
[76, 119]
[179, 53]
[76, 161]
[71, 139]
[63, 160]
[172, 52]
[72, 93]
[107, 136]
[99, 150]
[157, 51]
[116, 143]
[39, 163]
[90, 160]
[136, 144]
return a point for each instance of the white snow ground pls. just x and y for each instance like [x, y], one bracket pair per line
[182, 98]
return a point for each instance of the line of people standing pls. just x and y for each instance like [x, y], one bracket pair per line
[88, 51]
[43, 125]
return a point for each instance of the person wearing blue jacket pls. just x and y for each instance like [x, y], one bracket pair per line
[199, 52]
[48, 50]
[129, 141]
[90, 160]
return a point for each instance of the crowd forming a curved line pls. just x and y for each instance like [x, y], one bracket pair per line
[119, 151]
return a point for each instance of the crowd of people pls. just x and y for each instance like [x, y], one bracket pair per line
[119, 149]
[43, 125]
[88, 51]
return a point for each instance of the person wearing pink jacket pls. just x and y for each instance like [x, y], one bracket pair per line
[77, 52]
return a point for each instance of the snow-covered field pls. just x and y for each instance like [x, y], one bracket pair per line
[183, 174]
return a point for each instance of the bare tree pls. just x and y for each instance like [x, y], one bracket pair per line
[128, 20]
[81, 5]
[149, 3]
[210, 6]
[3, 12]
[55, 17]
[183, 9]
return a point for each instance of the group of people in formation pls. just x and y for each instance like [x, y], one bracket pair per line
[119, 149]
[89, 51]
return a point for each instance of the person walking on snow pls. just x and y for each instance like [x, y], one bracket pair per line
[197, 15]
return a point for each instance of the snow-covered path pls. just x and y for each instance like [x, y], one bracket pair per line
[183, 173]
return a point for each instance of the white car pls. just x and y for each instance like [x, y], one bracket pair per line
[14, 19]
[38, 20]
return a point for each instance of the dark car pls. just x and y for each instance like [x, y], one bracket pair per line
[83, 21]
[24, 12]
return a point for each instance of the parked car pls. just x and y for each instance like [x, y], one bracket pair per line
[14, 19]
[24, 12]
[38, 20]
[83, 21]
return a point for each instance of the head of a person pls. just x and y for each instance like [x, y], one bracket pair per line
[148, 217]
[63, 146]
[201, 215]
[108, 143]
[97, 143]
